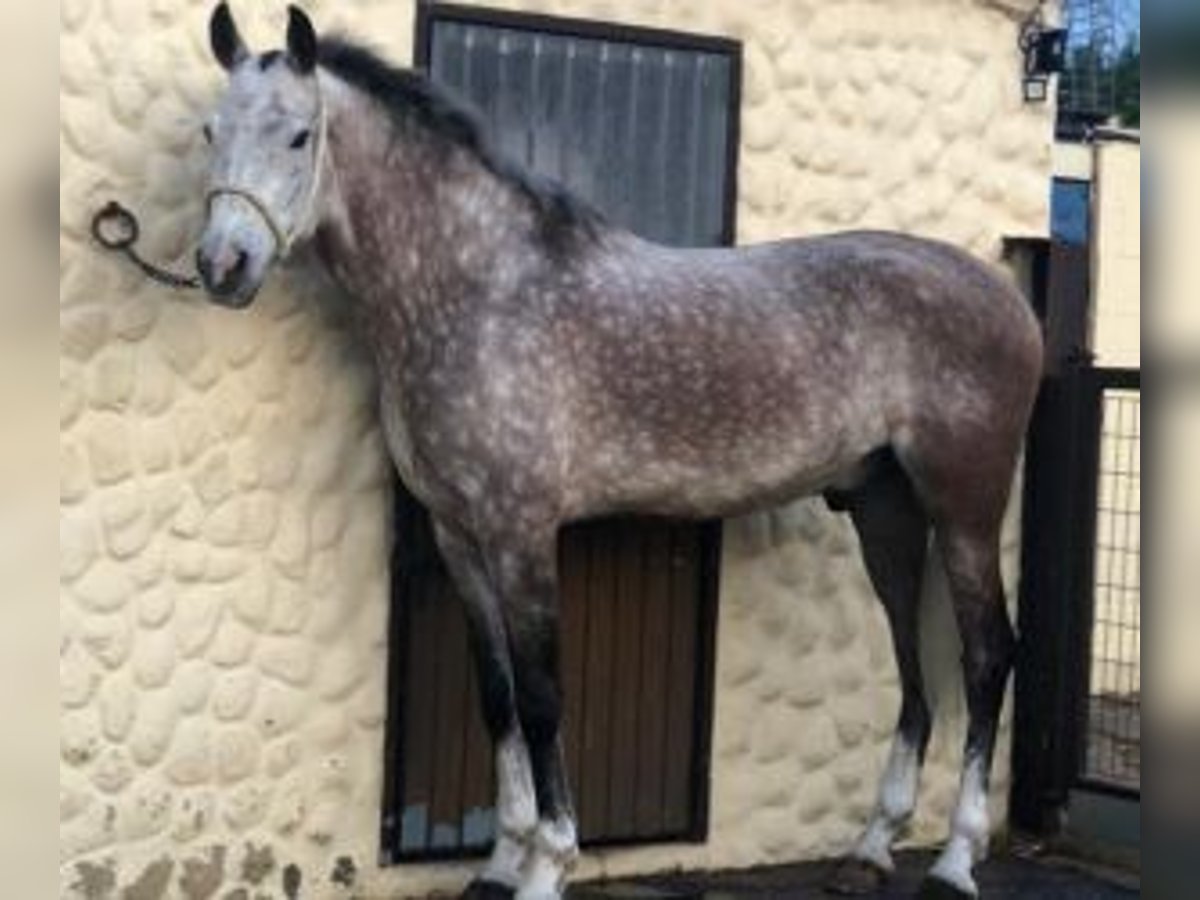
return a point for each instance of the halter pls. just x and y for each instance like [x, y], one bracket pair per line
[283, 239]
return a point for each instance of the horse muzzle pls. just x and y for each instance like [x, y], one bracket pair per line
[227, 277]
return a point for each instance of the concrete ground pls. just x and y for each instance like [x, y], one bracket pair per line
[1000, 878]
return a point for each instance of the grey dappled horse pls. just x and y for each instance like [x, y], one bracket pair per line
[539, 366]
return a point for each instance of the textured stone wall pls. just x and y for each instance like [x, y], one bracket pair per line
[224, 525]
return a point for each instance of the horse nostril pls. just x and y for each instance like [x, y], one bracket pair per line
[239, 268]
[231, 279]
[224, 276]
[204, 267]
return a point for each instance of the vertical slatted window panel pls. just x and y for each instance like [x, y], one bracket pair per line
[640, 131]
[643, 129]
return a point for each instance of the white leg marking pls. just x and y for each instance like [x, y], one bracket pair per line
[555, 849]
[897, 799]
[968, 831]
[516, 812]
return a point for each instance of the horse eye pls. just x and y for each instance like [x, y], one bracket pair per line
[208, 135]
[300, 140]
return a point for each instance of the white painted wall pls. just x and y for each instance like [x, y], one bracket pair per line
[1117, 254]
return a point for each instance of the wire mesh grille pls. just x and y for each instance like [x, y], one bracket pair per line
[1113, 747]
[1086, 87]
[1090, 87]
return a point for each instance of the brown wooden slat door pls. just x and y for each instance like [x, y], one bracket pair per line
[637, 608]
[638, 603]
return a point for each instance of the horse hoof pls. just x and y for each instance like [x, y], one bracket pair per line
[853, 877]
[479, 889]
[936, 889]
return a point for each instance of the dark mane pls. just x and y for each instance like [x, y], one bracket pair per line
[411, 97]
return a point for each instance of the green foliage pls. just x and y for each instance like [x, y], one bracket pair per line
[1097, 83]
[1128, 84]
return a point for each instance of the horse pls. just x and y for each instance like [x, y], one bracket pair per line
[538, 365]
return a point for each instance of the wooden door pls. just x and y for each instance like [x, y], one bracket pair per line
[638, 607]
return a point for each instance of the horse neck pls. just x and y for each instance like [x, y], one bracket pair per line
[415, 229]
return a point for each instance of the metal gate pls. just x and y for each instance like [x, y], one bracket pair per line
[1111, 747]
[1078, 681]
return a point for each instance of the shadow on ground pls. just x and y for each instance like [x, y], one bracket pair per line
[1000, 878]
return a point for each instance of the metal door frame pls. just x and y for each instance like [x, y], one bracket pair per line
[1059, 523]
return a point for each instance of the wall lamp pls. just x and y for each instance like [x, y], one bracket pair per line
[1044, 52]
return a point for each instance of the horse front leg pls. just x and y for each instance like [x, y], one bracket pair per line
[516, 803]
[530, 603]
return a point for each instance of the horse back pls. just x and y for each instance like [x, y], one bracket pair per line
[711, 380]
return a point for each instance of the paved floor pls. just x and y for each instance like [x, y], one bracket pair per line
[999, 879]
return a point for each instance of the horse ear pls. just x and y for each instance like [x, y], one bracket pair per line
[301, 40]
[227, 44]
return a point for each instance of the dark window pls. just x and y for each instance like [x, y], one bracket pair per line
[643, 124]
[641, 130]
[1070, 211]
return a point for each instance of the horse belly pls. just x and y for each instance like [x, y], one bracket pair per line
[762, 486]
[749, 475]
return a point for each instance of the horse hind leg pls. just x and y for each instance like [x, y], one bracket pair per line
[963, 475]
[893, 530]
[972, 561]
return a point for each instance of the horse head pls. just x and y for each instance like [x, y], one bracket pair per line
[268, 138]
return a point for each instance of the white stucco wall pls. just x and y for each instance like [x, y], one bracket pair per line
[224, 513]
[1117, 253]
